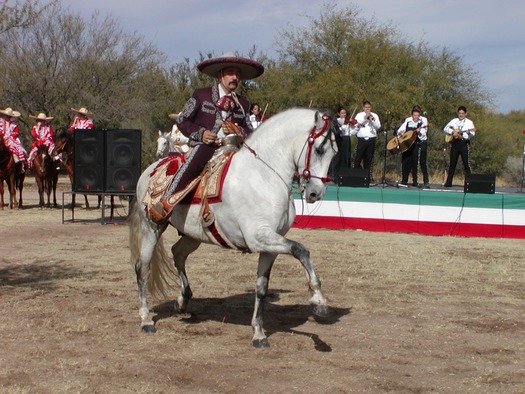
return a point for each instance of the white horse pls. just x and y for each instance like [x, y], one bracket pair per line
[171, 141]
[255, 213]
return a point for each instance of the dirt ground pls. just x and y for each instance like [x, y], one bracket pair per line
[409, 313]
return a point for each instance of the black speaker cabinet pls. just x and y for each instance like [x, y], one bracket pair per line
[88, 161]
[480, 183]
[123, 155]
[354, 177]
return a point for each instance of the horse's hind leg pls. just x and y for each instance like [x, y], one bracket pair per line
[264, 268]
[143, 271]
[142, 248]
[181, 250]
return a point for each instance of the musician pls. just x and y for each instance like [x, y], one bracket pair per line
[43, 134]
[365, 128]
[211, 113]
[9, 131]
[423, 149]
[460, 131]
[255, 115]
[342, 158]
[82, 119]
[410, 157]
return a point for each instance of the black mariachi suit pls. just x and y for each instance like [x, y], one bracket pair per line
[410, 158]
[199, 114]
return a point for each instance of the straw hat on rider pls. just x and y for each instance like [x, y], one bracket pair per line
[10, 112]
[249, 68]
[41, 116]
[82, 111]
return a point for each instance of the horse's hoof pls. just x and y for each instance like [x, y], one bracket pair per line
[261, 343]
[320, 310]
[149, 329]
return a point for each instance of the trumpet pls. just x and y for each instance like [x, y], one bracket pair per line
[371, 118]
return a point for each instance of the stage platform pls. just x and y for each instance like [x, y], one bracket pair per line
[435, 211]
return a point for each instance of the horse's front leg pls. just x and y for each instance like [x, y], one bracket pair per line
[181, 250]
[12, 195]
[55, 182]
[264, 268]
[2, 194]
[48, 194]
[317, 301]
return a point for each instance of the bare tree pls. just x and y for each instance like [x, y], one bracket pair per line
[14, 14]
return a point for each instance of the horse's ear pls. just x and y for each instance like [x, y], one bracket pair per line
[318, 119]
[160, 133]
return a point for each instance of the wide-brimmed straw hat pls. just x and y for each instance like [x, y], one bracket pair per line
[41, 116]
[249, 68]
[83, 111]
[10, 112]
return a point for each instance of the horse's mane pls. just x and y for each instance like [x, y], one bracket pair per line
[304, 118]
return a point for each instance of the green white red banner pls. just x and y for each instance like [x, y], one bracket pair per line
[428, 212]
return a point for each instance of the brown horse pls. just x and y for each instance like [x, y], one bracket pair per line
[64, 143]
[46, 176]
[12, 174]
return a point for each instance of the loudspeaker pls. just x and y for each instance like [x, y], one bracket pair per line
[123, 156]
[354, 177]
[480, 183]
[88, 161]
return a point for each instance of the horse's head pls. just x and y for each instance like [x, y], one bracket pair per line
[63, 142]
[163, 145]
[317, 155]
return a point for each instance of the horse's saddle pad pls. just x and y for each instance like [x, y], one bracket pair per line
[207, 186]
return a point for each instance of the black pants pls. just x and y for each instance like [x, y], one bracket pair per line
[364, 152]
[409, 159]
[342, 159]
[459, 148]
[192, 167]
[423, 161]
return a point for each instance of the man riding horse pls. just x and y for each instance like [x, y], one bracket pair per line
[210, 114]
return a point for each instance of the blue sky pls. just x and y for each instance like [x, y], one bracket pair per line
[489, 35]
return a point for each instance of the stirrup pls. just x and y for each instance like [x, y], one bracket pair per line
[157, 213]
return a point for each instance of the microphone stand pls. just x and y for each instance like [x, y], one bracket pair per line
[384, 183]
[523, 168]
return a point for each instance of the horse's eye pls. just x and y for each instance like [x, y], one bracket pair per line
[319, 150]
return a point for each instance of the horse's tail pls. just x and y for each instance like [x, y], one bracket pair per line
[162, 272]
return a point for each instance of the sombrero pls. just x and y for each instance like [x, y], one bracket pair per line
[83, 111]
[41, 116]
[249, 68]
[10, 112]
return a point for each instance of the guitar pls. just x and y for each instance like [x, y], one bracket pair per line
[401, 143]
[456, 135]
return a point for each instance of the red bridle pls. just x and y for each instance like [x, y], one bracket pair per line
[314, 134]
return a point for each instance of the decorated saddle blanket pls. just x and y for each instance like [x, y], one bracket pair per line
[207, 186]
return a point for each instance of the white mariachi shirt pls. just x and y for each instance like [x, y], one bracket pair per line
[466, 126]
[364, 127]
[409, 123]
